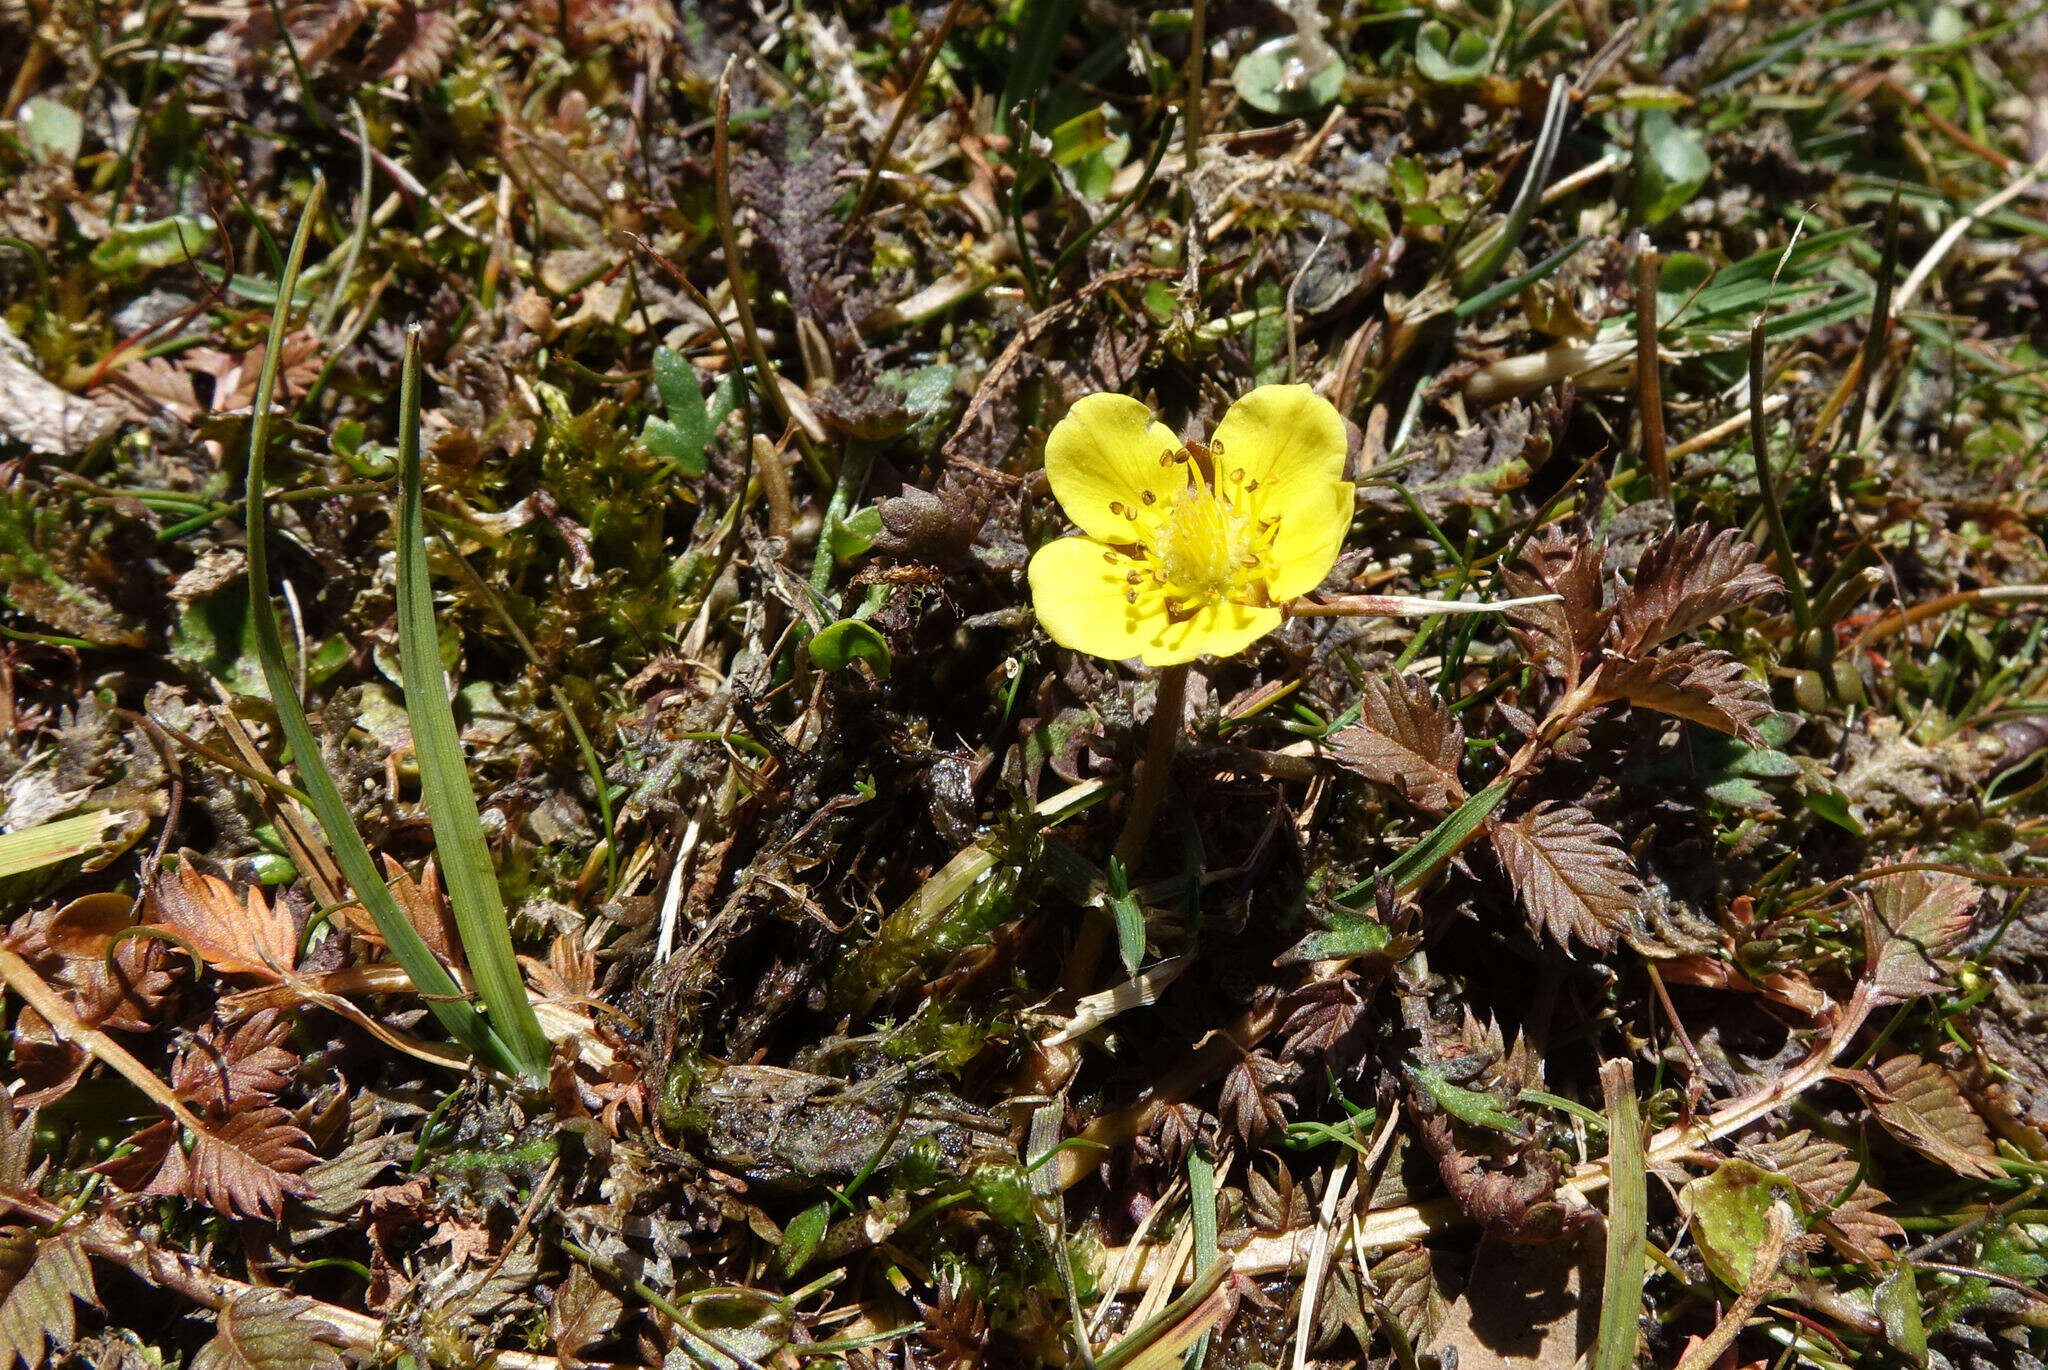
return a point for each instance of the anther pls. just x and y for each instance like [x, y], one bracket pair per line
[1116, 506]
[1130, 596]
[1149, 497]
[1238, 475]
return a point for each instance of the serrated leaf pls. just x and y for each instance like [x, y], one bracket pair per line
[263, 1330]
[1691, 575]
[1409, 1293]
[583, 1313]
[41, 1280]
[245, 936]
[1910, 922]
[1560, 633]
[1693, 682]
[1825, 1171]
[1572, 875]
[1466, 1105]
[1923, 1106]
[1405, 739]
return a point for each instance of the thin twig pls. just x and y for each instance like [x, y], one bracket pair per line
[903, 107]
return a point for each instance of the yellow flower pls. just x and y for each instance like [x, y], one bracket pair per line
[1187, 549]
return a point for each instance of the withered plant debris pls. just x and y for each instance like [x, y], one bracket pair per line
[742, 330]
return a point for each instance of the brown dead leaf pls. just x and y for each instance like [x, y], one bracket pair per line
[245, 936]
[1910, 922]
[1572, 875]
[1407, 740]
[1921, 1104]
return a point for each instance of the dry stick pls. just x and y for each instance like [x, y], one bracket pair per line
[1649, 386]
[20, 976]
[1395, 606]
[1191, 135]
[1901, 619]
[910, 93]
[1767, 483]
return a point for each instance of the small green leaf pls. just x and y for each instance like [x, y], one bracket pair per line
[839, 645]
[1466, 1105]
[1670, 167]
[1277, 78]
[1679, 281]
[684, 436]
[1130, 918]
[1449, 60]
[1346, 933]
[1833, 805]
[855, 533]
[50, 130]
[136, 248]
[1730, 1212]
[801, 1238]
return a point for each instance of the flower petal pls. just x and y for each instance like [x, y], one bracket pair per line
[1106, 451]
[1078, 586]
[1291, 442]
[1306, 544]
[1218, 628]
[1287, 438]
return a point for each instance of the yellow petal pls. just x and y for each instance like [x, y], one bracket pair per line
[1306, 544]
[1106, 452]
[1287, 438]
[1219, 628]
[1078, 586]
[1291, 442]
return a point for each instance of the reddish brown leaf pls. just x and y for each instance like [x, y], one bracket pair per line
[245, 936]
[1407, 740]
[1919, 1102]
[1572, 875]
[1693, 574]
[224, 1070]
[264, 1330]
[1692, 682]
[1824, 1171]
[1559, 635]
[68, 947]
[1910, 921]
[38, 1282]
[410, 42]
[243, 1166]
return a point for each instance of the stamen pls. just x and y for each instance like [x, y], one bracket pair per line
[1149, 497]
[1116, 506]
[1130, 596]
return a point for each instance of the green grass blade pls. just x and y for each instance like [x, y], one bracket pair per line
[427, 974]
[1621, 1296]
[48, 843]
[459, 843]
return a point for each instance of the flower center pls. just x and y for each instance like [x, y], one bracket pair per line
[1207, 541]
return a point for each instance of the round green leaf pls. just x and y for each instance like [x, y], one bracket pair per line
[1276, 77]
[839, 645]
